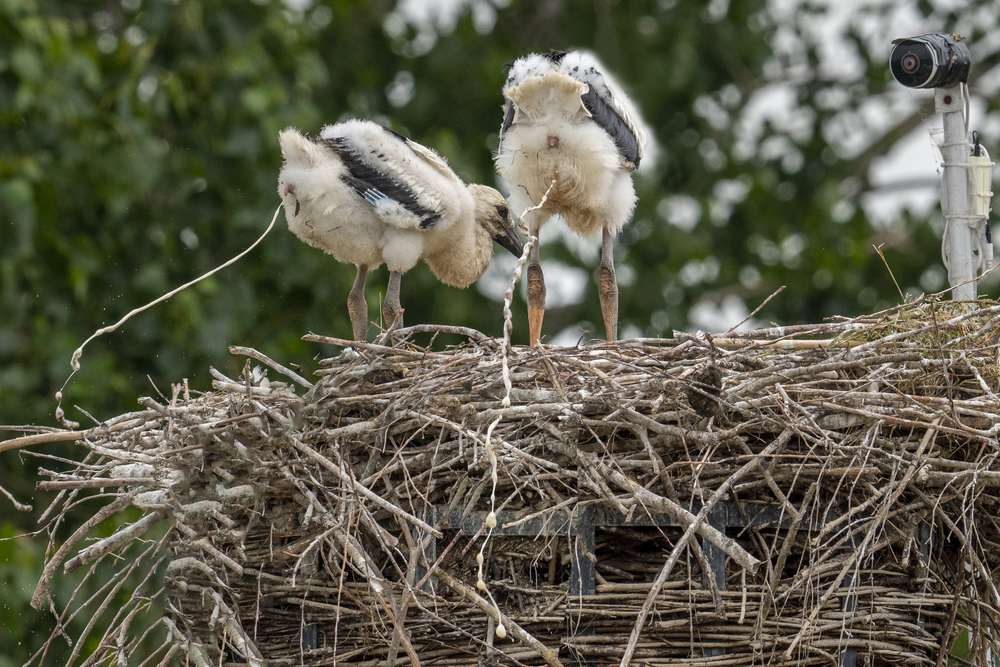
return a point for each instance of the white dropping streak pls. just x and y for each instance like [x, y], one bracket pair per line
[508, 328]
[75, 361]
[508, 296]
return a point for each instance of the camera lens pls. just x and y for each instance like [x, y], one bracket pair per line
[912, 63]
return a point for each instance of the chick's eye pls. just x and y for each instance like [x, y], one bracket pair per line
[502, 211]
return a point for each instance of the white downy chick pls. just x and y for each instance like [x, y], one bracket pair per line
[370, 196]
[567, 122]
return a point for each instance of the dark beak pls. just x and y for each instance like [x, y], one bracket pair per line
[508, 239]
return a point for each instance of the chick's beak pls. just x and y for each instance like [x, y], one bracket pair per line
[508, 239]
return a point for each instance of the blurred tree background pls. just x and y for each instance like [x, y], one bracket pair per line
[138, 149]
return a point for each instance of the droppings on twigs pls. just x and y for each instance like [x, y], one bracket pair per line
[78, 353]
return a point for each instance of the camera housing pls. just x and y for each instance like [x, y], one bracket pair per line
[933, 60]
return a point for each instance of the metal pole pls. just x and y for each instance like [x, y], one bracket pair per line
[951, 105]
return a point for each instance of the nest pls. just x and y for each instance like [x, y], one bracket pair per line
[820, 494]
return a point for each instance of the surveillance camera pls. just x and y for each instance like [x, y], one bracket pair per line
[934, 60]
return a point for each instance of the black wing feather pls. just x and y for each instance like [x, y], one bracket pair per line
[555, 56]
[395, 134]
[365, 178]
[605, 116]
[508, 119]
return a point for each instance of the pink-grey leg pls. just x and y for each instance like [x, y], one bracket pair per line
[536, 291]
[357, 306]
[607, 287]
[391, 308]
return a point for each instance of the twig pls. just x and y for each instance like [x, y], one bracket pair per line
[263, 358]
[472, 334]
[43, 438]
[739, 344]
[550, 656]
[900, 487]
[756, 310]
[396, 434]
[109, 544]
[112, 508]
[206, 546]
[361, 345]
[878, 249]
[20, 507]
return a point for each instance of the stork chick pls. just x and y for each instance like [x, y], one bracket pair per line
[568, 125]
[368, 196]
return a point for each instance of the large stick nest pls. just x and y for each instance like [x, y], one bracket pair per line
[854, 464]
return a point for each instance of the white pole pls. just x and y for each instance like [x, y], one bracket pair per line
[950, 103]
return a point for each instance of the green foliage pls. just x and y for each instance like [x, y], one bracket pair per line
[24, 632]
[20, 567]
[138, 150]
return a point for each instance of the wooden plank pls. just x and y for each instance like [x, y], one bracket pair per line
[924, 550]
[309, 638]
[849, 656]
[309, 634]
[557, 523]
[582, 578]
[430, 555]
[582, 573]
[719, 517]
[552, 524]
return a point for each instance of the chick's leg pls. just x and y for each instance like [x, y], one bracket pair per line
[357, 306]
[391, 309]
[536, 291]
[607, 287]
